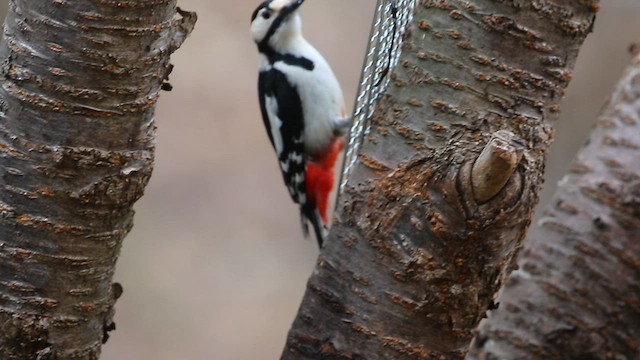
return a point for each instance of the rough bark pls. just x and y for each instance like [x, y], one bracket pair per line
[78, 85]
[576, 293]
[415, 257]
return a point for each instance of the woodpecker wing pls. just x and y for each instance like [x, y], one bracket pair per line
[265, 81]
[283, 118]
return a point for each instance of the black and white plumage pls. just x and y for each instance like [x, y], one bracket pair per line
[302, 107]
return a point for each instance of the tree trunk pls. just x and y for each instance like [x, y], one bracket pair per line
[576, 293]
[3, 9]
[79, 83]
[433, 215]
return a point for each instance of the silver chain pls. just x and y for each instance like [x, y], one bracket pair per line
[389, 25]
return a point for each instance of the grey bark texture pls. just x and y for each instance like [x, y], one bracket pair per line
[79, 81]
[576, 295]
[415, 258]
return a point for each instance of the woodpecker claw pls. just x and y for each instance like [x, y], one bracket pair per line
[341, 126]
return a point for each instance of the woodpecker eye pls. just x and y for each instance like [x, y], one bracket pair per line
[266, 14]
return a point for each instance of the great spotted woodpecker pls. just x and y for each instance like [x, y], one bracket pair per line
[302, 108]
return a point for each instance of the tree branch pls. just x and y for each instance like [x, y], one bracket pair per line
[576, 294]
[79, 83]
[495, 165]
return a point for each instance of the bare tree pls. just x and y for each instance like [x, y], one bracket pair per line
[576, 293]
[80, 80]
[433, 215]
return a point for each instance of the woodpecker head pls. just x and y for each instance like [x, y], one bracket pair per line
[274, 23]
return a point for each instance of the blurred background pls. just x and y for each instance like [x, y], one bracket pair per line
[215, 267]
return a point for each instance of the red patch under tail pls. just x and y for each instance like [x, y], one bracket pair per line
[320, 179]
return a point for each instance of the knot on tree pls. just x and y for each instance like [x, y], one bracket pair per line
[495, 166]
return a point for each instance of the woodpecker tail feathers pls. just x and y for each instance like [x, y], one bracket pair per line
[309, 213]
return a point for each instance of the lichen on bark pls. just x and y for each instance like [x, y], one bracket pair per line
[79, 81]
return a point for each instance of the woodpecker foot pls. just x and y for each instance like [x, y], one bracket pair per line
[341, 126]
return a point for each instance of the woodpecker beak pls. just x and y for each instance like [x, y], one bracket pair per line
[293, 6]
[285, 7]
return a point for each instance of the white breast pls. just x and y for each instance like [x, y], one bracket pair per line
[320, 93]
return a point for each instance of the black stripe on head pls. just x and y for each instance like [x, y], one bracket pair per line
[260, 7]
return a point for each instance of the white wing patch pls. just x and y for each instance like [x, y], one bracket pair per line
[298, 178]
[296, 158]
[292, 158]
[272, 110]
[284, 166]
